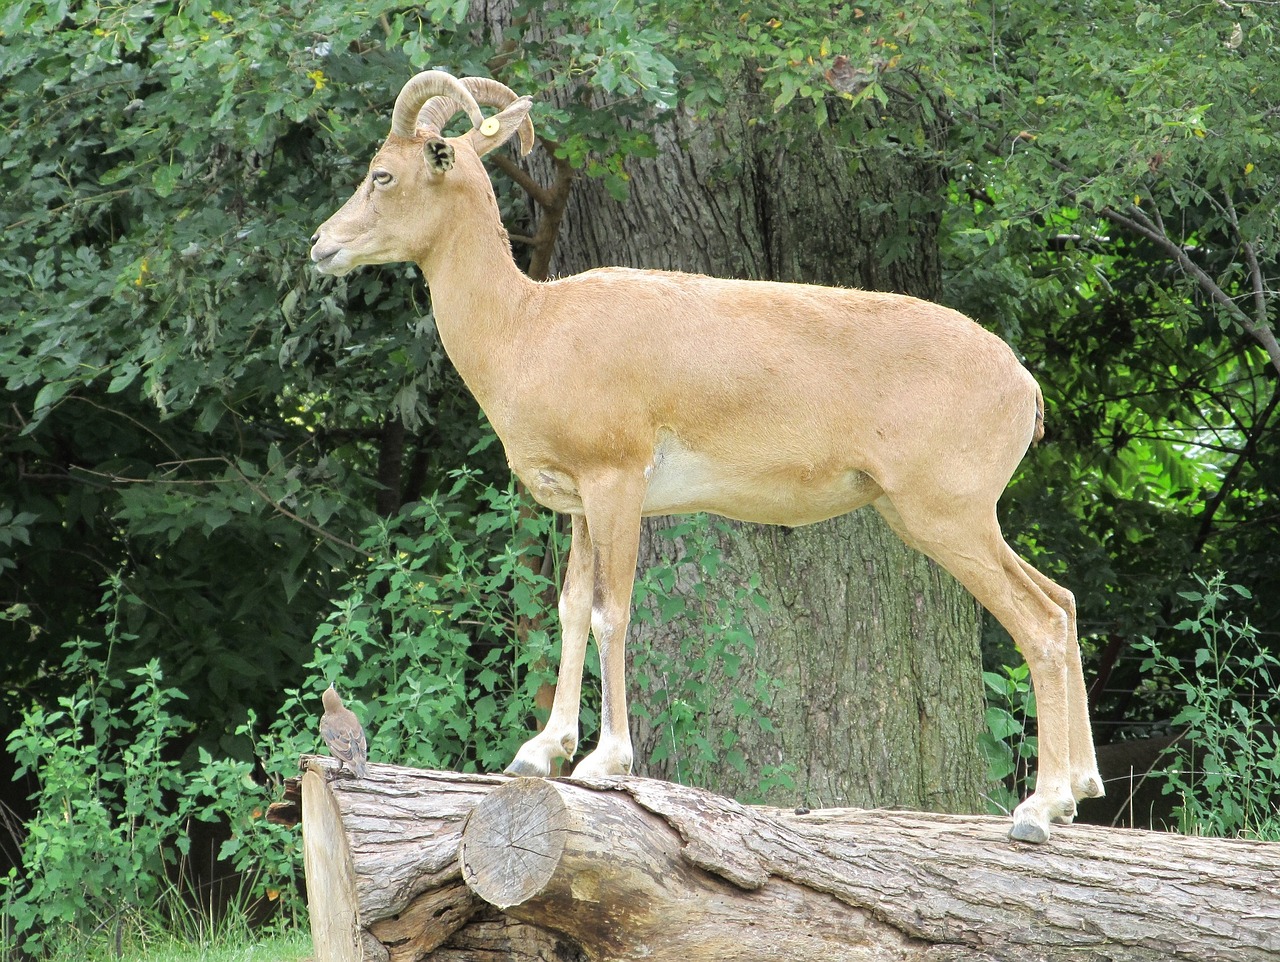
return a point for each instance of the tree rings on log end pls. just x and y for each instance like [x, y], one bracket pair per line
[529, 820]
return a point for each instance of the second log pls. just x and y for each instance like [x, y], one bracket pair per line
[629, 868]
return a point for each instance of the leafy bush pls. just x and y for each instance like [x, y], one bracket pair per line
[443, 636]
[440, 642]
[423, 637]
[1226, 768]
[106, 848]
[1006, 746]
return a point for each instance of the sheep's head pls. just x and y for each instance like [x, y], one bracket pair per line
[416, 179]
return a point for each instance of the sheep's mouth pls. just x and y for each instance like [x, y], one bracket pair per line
[328, 262]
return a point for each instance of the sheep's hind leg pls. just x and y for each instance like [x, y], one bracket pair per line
[1086, 782]
[970, 546]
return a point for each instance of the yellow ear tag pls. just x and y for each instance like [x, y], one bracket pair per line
[490, 126]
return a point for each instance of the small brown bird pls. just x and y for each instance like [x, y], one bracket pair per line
[342, 733]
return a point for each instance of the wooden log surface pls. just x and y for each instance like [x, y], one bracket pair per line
[451, 867]
[399, 896]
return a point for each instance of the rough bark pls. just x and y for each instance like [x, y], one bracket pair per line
[873, 654]
[399, 865]
[874, 649]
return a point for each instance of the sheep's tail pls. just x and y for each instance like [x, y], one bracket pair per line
[1038, 433]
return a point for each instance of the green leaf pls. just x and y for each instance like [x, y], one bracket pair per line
[49, 394]
[1001, 724]
[123, 378]
[165, 179]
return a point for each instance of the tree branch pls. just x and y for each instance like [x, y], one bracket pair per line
[1136, 221]
[541, 195]
[1251, 259]
[1246, 456]
[243, 478]
[552, 200]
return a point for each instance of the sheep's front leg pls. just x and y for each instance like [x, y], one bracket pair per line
[559, 737]
[613, 514]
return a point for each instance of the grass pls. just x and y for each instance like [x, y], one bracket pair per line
[291, 946]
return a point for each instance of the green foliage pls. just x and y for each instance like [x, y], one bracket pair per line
[153, 430]
[434, 641]
[441, 636]
[426, 632]
[679, 689]
[187, 404]
[602, 53]
[95, 847]
[107, 846]
[1225, 769]
[174, 238]
[1160, 455]
[1006, 744]
[1108, 197]
[789, 50]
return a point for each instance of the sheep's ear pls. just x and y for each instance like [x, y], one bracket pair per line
[497, 130]
[438, 154]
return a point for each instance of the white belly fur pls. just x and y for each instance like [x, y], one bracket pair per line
[682, 481]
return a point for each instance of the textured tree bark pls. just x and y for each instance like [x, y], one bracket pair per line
[381, 862]
[874, 650]
[441, 866]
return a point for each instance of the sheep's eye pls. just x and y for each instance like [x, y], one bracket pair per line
[381, 177]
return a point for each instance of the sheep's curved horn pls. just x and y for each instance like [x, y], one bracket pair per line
[421, 88]
[439, 110]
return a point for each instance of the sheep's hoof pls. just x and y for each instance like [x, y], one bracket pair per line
[1090, 786]
[605, 762]
[1028, 832]
[524, 770]
[538, 756]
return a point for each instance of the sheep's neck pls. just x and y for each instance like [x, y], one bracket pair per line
[478, 295]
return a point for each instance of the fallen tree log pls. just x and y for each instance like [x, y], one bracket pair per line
[408, 865]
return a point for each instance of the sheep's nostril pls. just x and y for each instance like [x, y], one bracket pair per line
[314, 238]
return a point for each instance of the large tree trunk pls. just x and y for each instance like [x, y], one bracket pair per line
[408, 865]
[872, 650]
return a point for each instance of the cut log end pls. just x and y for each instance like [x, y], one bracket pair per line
[331, 889]
[529, 822]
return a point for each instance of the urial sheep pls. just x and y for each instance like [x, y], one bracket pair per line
[623, 393]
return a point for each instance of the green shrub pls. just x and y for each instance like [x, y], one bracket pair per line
[439, 642]
[106, 848]
[1006, 746]
[1225, 770]
[443, 638]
